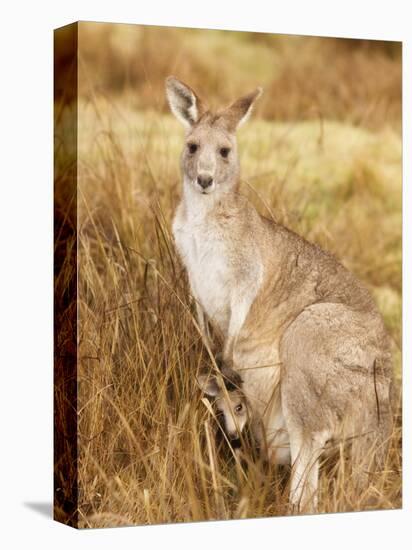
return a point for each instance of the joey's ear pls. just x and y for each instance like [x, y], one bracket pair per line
[238, 113]
[184, 103]
[208, 384]
[232, 379]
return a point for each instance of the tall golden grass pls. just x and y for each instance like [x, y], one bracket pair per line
[148, 450]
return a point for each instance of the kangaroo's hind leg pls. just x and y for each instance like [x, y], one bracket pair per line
[328, 384]
[305, 453]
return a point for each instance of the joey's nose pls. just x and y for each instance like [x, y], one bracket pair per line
[204, 181]
[235, 441]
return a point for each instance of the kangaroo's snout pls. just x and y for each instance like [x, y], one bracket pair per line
[230, 428]
[235, 442]
[204, 180]
[233, 436]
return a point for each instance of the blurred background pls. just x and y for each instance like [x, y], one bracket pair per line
[343, 79]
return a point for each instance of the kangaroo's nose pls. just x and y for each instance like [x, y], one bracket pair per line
[204, 181]
[235, 441]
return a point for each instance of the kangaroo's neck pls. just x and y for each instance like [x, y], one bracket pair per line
[198, 206]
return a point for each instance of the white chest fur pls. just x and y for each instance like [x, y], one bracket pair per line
[203, 254]
[224, 279]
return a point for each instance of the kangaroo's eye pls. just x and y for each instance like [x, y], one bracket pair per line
[224, 152]
[239, 408]
[192, 148]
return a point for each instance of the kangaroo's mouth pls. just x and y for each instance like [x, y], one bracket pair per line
[235, 442]
[207, 191]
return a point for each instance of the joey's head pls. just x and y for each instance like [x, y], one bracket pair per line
[230, 402]
[209, 160]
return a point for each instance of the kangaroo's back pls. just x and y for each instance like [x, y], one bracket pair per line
[294, 261]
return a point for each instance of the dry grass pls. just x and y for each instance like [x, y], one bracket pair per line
[148, 451]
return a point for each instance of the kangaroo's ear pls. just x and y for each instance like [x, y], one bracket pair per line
[231, 379]
[184, 103]
[208, 384]
[237, 114]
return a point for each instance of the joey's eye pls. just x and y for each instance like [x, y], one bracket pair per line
[224, 152]
[192, 148]
[239, 408]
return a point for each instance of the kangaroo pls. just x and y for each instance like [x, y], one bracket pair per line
[226, 388]
[302, 331]
[229, 398]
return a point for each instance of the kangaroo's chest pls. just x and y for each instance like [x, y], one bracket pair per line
[212, 275]
[225, 270]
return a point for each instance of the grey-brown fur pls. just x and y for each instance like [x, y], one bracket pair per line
[303, 332]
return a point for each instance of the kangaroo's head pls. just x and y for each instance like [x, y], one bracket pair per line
[230, 400]
[209, 161]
